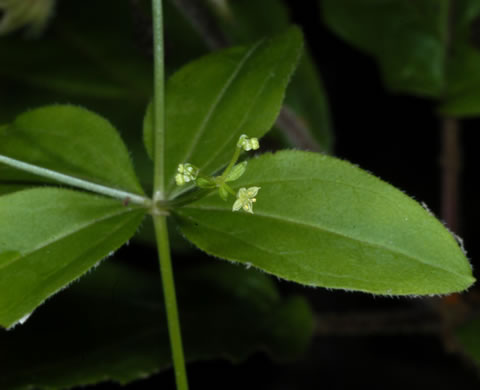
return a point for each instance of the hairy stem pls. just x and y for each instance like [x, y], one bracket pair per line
[158, 101]
[74, 182]
[173, 321]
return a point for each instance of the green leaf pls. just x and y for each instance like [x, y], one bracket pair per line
[469, 337]
[407, 38]
[245, 22]
[49, 237]
[419, 47]
[111, 326]
[70, 140]
[462, 97]
[323, 222]
[212, 101]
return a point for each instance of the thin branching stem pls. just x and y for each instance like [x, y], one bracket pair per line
[158, 101]
[75, 182]
[160, 221]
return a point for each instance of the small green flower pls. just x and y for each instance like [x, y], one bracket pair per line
[245, 199]
[21, 13]
[247, 144]
[186, 173]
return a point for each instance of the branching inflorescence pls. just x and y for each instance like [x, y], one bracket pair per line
[189, 173]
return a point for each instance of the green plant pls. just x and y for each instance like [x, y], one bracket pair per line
[318, 221]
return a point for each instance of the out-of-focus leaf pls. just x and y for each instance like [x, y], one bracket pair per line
[111, 326]
[31, 13]
[49, 237]
[462, 96]
[469, 337]
[212, 101]
[424, 47]
[182, 43]
[105, 67]
[70, 140]
[324, 222]
[80, 61]
[407, 38]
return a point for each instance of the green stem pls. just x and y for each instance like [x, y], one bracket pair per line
[158, 101]
[160, 221]
[229, 189]
[174, 332]
[74, 182]
[233, 161]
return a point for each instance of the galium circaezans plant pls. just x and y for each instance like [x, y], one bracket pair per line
[319, 221]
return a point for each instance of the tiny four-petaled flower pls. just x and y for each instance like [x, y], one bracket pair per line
[245, 199]
[186, 173]
[247, 144]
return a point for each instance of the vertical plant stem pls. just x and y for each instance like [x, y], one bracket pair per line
[174, 332]
[160, 221]
[451, 162]
[158, 101]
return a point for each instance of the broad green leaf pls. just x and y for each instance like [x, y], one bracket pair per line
[323, 222]
[212, 101]
[469, 337]
[49, 237]
[70, 140]
[111, 326]
[407, 38]
[462, 97]
[244, 21]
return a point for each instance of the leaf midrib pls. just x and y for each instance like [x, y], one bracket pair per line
[241, 123]
[203, 125]
[343, 235]
[284, 256]
[60, 237]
